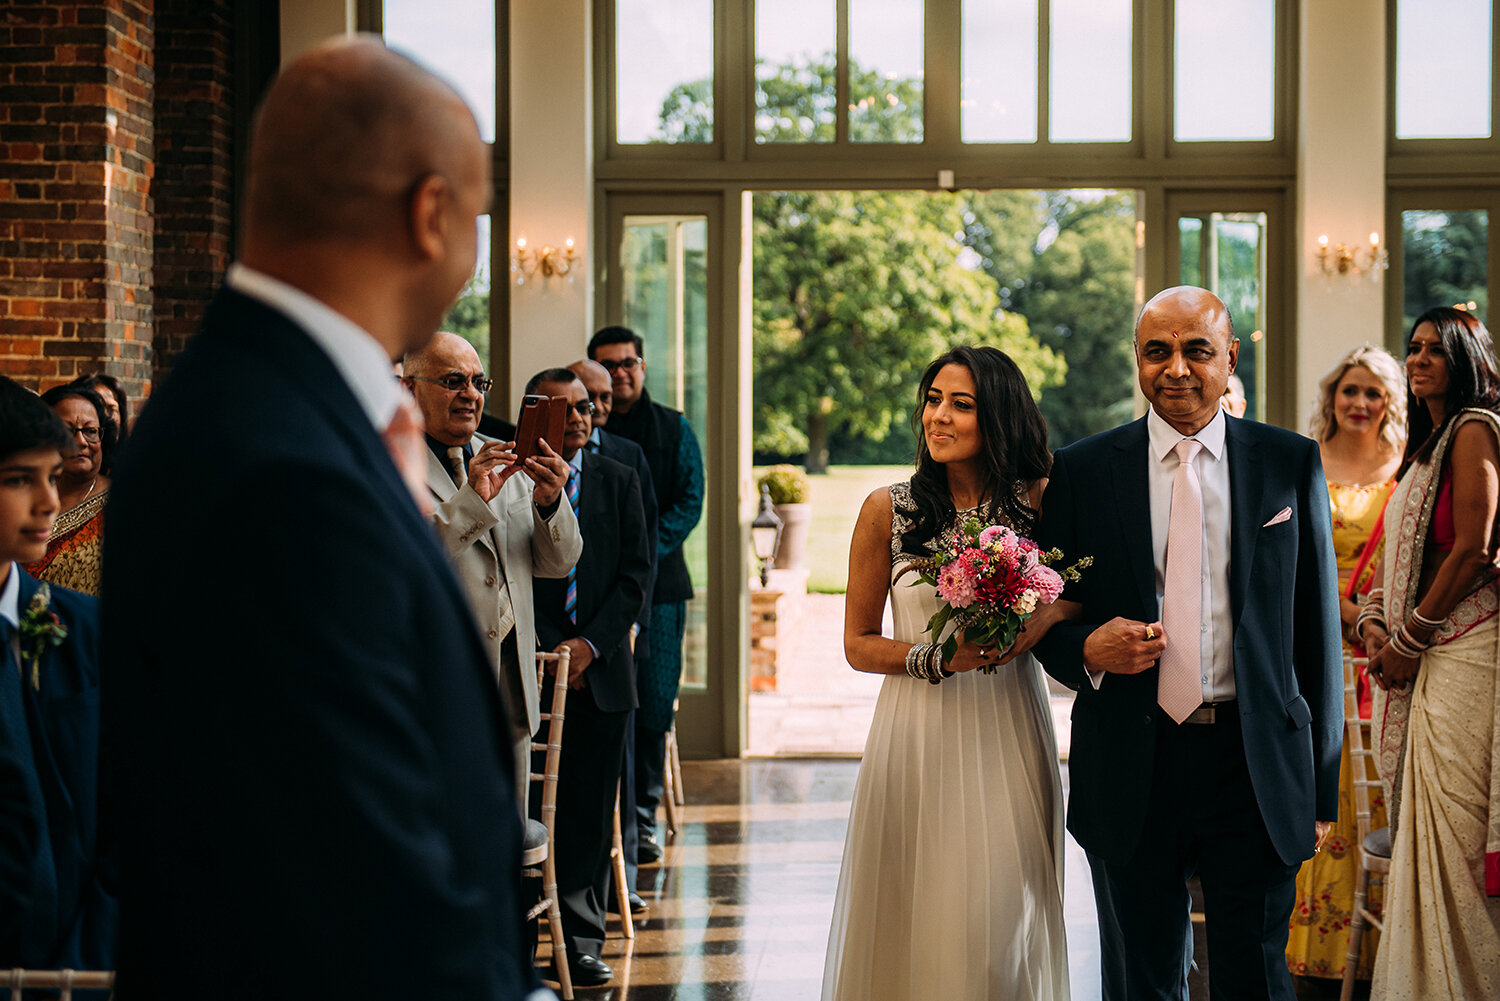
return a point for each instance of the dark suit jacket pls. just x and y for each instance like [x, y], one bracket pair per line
[20, 834]
[308, 750]
[612, 575]
[1283, 602]
[628, 453]
[69, 918]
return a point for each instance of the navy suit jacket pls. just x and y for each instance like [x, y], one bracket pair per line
[1283, 590]
[628, 453]
[612, 575]
[306, 748]
[54, 869]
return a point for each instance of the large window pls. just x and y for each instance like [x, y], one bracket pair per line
[1444, 69]
[1445, 261]
[964, 79]
[1443, 162]
[1088, 82]
[1000, 71]
[795, 71]
[1225, 58]
[664, 87]
[456, 40]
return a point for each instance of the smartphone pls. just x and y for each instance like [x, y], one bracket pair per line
[541, 417]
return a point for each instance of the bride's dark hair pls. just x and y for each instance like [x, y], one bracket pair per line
[1014, 453]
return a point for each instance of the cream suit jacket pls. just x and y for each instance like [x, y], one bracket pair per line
[507, 536]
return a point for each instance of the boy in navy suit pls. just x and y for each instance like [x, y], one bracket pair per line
[54, 911]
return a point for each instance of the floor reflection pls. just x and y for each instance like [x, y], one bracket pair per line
[743, 896]
[742, 899]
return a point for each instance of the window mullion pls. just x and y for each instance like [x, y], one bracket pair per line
[841, 88]
[1043, 73]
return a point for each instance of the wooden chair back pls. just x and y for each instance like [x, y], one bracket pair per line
[1361, 755]
[62, 981]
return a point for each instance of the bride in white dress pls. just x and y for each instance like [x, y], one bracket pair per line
[951, 885]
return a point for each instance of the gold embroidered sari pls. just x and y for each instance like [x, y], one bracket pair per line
[76, 548]
[1442, 931]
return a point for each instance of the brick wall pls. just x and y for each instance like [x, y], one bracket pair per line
[116, 129]
[194, 164]
[76, 163]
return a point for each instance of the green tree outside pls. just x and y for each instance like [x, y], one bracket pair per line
[854, 293]
[1444, 261]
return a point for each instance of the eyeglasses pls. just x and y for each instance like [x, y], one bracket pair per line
[90, 434]
[454, 382]
[584, 409]
[626, 363]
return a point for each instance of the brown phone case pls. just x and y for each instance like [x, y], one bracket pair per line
[541, 417]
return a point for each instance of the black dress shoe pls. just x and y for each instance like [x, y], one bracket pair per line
[588, 971]
[637, 904]
[647, 849]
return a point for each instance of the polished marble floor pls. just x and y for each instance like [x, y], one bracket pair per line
[741, 901]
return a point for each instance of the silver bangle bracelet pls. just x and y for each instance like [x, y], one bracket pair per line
[1423, 620]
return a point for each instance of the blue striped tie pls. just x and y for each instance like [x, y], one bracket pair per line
[570, 603]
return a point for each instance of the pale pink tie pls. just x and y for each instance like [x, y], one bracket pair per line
[1179, 688]
[403, 439]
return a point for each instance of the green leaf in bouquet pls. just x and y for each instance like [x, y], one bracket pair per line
[939, 620]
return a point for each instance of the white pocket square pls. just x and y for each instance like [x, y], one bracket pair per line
[1285, 514]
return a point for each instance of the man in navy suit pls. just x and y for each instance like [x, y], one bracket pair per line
[306, 746]
[590, 614]
[596, 379]
[54, 910]
[1208, 723]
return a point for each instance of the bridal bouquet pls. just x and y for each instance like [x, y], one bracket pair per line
[990, 581]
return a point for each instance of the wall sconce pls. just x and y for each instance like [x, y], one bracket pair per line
[546, 261]
[1344, 259]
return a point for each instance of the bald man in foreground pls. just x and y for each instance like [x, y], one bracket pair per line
[308, 756]
[1209, 721]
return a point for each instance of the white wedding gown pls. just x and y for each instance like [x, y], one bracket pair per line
[951, 885]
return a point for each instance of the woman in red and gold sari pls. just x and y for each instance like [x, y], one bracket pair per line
[76, 547]
[1434, 634]
[1360, 426]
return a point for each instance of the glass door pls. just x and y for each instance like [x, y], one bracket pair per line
[1226, 243]
[664, 278]
[664, 291]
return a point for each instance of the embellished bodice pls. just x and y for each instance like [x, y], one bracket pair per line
[900, 523]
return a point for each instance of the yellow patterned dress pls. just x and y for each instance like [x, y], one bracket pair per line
[76, 549]
[1319, 938]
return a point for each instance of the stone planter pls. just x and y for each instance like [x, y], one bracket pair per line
[796, 519]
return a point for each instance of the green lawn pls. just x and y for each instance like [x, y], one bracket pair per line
[836, 499]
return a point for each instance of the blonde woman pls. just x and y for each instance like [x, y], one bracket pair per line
[1360, 427]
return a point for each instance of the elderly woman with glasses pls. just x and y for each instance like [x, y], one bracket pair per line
[76, 546]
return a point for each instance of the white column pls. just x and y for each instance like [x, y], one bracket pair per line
[1341, 194]
[305, 23]
[552, 180]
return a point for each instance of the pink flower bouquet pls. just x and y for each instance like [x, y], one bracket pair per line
[990, 581]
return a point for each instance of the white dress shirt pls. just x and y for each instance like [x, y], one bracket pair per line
[357, 356]
[1216, 641]
[10, 609]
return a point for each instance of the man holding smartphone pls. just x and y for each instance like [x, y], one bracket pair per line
[495, 540]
